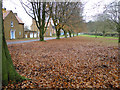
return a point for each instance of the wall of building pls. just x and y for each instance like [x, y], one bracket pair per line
[33, 26]
[27, 33]
[49, 31]
[20, 29]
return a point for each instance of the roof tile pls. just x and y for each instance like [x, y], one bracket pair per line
[5, 13]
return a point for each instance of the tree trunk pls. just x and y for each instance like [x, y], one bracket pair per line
[65, 33]
[8, 70]
[77, 34]
[41, 35]
[69, 33]
[42, 38]
[119, 45]
[58, 34]
[73, 34]
[96, 33]
[42, 26]
[119, 38]
[103, 33]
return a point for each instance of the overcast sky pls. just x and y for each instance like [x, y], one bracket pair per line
[91, 8]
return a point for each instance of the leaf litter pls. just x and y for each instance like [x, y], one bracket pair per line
[78, 62]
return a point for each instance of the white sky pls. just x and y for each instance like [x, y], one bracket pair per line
[16, 7]
[91, 8]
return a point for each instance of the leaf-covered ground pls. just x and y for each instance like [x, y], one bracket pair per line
[79, 62]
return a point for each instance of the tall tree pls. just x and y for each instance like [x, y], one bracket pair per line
[8, 70]
[103, 24]
[39, 11]
[113, 12]
[61, 13]
[74, 17]
[70, 10]
[76, 22]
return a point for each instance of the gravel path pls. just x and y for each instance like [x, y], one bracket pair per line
[16, 42]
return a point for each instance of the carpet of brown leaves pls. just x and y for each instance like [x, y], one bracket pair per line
[78, 62]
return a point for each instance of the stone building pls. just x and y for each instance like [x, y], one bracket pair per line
[13, 26]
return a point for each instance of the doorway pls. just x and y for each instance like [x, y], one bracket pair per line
[12, 34]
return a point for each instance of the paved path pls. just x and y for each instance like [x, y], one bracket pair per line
[15, 42]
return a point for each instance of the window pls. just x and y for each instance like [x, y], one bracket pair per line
[19, 33]
[11, 24]
[38, 34]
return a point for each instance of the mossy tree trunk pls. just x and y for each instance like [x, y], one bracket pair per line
[8, 70]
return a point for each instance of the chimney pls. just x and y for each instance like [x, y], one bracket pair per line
[4, 8]
[15, 14]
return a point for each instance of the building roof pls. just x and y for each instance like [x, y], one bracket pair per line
[6, 12]
[19, 20]
[26, 29]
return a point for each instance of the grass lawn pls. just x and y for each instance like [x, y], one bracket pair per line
[99, 36]
[107, 39]
[77, 62]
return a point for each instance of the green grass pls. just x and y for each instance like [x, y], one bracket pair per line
[99, 36]
[108, 40]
